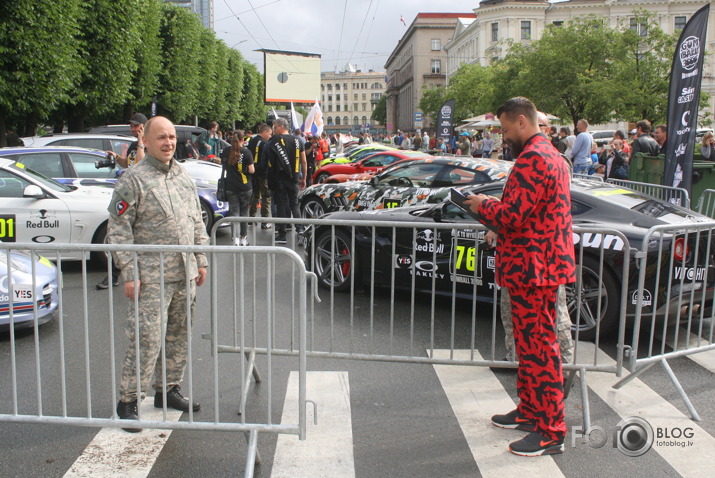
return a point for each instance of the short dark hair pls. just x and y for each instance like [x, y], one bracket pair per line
[644, 126]
[565, 129]
[517, 106]
[263, 127]
[663, 128]
[619, 134]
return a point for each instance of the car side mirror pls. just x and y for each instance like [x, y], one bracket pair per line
[33, 191]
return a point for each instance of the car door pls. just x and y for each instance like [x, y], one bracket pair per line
[28, 219]
[402, 186]
[48, 163]
[84, 167]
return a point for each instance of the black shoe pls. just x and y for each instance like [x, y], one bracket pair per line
[105, 283]
[265, 225]
[536, 444]
[289, 227]
[281, 238]
[128, 411]
[175, 400]
[514, 421]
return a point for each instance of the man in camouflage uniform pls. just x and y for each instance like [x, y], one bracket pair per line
[155, 202]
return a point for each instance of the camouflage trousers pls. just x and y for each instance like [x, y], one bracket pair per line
[563, 324]
[150, 315]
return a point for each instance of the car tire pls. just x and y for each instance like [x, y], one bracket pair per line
[100, 237]
[610, 298]
[321, 177]
[207, 216]
[334, 262]
[312, 208]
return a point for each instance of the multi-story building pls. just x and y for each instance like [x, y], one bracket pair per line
[348, 99]
[499, 21]
[203, 8]
[417, 61]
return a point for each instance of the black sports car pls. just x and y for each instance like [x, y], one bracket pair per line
[457, 261]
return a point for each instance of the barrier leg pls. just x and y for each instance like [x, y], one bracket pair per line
[584, 399]
[252, 457]
[632, 375]
[568, 383]
[679, 388]
[251, 357]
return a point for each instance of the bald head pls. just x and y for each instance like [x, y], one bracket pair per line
[160, 138]
[544, 123]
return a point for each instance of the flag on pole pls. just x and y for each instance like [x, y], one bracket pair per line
[293, 118]
[683, 97]
[403, 20]
[314, 121]
[275, 115]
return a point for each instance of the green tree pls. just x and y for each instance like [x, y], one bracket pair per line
[566, 71]
[39, 61]
[253, 106]
[432, 100]
[473, 91]
[380, 112]
[234, 94]
[181, 77]
[107, 45]
[641, 70]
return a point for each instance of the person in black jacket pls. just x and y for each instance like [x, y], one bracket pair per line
[615, 160]
[261, 192]
[238, 163]
[644, 143]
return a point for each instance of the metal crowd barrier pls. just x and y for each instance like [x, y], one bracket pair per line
[368, 318]
[675, 308]
[706, 203]
[671, 194]
[68, 371]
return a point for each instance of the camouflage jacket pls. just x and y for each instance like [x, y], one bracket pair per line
[156, 203]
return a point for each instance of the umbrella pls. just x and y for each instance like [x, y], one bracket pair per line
[487, 123]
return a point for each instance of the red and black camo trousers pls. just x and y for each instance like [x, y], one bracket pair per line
[539, 379]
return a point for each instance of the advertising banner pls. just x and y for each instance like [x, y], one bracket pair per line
[444, 121]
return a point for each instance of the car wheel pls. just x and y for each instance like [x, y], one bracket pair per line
[334, 260]
[207, 216]
[100, 237]
[320, 178]
[609, 298]
[313, 208]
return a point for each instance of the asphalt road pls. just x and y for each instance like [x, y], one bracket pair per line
[404, 420]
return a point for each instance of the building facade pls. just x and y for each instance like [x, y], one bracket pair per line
[418, 61]
[485, 40]
[349, 98]
[203, 8]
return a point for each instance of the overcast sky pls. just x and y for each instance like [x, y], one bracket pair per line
[362, 32]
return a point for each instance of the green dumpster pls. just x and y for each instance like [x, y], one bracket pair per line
[647, 169]
[703, 178]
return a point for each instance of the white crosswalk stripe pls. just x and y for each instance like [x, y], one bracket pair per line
[328, 448]
[114, 452]
[475, 395]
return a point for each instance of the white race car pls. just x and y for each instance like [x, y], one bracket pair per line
[37, 209]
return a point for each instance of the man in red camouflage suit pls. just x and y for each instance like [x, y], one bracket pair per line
[535, 254]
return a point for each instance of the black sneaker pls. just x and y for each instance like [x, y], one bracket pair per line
[175, 400]
[281, 238]
[105, 283]
[265, 225]
[128, 411]
[513, 421]
[536, 444]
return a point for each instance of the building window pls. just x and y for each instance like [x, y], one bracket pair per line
[346, 120]
[436, 67]
[355, 96]
[330, 107]
[364, 120]
[558, 23]
[345, 97]
[345, 86]
[356, 120]
[355, 106]
[436, 44]
[337, 120]
[495, 32]
[330, 120]
[376, 96]
[337, 107]
[364, 96]
[330, 87]
[330, 97]
[495, 59]
[640, 28]
[680, 22]
[526, 30]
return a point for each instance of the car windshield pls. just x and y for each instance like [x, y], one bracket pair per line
[44, 181]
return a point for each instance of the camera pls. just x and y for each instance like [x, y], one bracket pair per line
[108, 162]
